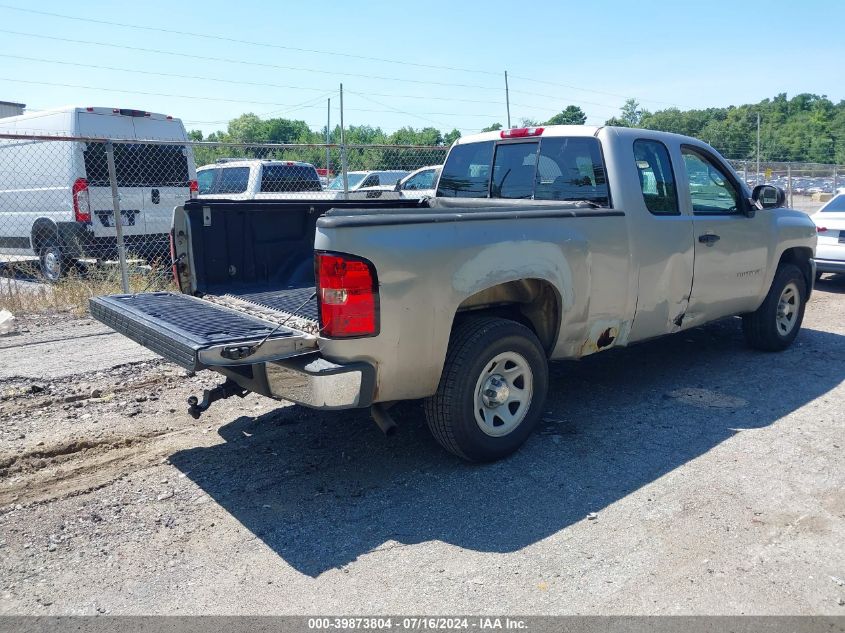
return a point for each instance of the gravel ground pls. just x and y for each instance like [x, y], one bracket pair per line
[686, 475]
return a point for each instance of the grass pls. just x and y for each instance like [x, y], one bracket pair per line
[23, 291]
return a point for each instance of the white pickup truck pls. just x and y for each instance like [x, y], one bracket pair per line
[541, 244]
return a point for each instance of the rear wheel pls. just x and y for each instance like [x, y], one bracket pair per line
[53, 264]
[775, 324]
[492, 389]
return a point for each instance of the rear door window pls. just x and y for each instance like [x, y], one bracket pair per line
[138, 165]
[466, 173]
[513, 170]
[657, 181]
[281, 178]
[836, 204]
[571, 169]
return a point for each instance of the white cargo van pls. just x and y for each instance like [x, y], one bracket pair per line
[55, 196]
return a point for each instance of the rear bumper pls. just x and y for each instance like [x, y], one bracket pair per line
[77, 241]
[830, 265]
[315, 382]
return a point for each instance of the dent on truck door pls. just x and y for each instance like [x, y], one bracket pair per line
[730, 248]
[663, 244]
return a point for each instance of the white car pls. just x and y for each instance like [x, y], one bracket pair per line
[56, 198]
[421, 183]
[258, 179]
[371, 184]
[830, 225]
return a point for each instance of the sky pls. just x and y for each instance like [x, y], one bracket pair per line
[436, 63]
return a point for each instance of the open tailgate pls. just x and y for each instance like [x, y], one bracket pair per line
[197, 334]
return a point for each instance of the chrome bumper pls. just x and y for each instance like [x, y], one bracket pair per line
[312, 381]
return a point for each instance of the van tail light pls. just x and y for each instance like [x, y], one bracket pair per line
[821, 229]
[194, 188]
[521, 132]
[347, 295]
[81, 200]
[174, 264]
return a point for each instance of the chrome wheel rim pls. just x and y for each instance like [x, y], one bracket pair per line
[503, 394]
[787, 311]
[52, 264]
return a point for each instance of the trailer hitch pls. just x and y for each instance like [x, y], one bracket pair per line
[220, 392]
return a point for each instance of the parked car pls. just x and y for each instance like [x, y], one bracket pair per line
[420, 183]
[374, 184]
[540, 244]
[830, 225]
[55, 196]
[254, 179]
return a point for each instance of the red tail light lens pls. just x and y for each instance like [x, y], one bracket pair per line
[194, 188]
[347, 294]
[81, 201]
[821, 229]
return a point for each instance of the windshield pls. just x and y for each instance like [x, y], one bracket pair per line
[835, 204]
[353, 178]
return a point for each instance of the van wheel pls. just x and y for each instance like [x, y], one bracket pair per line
[53, 264]
[491, 392]
[775, 324]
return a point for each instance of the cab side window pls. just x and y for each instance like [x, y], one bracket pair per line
[657, 182]
[711, 189]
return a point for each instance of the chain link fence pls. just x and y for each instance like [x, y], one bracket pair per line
[807, 185]
[60, 242]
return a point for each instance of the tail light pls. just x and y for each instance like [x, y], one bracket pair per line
[821, 229]
[194, 188]
[521, 132]
[347, 295]
[81, 200]
[174, 263]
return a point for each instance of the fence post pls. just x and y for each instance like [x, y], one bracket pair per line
[118, 219]
[789, 183]
[834, 180]
[745, 175]
[343, 164]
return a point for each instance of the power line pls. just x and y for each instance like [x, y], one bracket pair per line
[234, 81]
[248, 42]
[245, 62]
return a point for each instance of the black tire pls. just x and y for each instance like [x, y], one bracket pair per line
[450, 412]
[54, 265]
[761, 327]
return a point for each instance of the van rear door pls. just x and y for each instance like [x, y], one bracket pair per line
[167, 170]
[103, 123]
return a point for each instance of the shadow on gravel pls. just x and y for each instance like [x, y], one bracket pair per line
[322, 489]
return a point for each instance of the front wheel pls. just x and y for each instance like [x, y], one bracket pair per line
[492, 389]
[775, 324]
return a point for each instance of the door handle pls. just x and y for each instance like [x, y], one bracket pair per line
[708, 238]
[156, 196]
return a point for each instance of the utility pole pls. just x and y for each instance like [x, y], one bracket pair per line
[328, 138]
[757, 177]
[507, 99]
[343, 151]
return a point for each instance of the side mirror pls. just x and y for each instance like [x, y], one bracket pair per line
[768, 196]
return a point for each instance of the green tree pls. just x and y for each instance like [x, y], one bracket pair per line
[492, 128]
[570, 115]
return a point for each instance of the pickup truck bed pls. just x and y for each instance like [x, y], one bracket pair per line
[252, 266]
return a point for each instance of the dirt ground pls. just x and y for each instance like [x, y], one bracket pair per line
[686, 475]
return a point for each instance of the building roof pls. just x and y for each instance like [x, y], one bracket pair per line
[12, 103]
